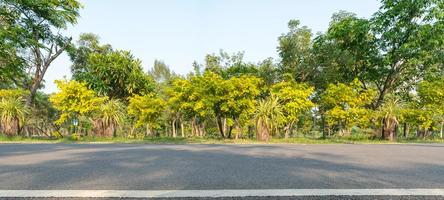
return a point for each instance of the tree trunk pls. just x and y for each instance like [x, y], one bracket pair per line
[182, 129]
[148, 131]
[33, 88]
[238, 130]
[174, 127]
[324, 135]
[11, 128]
[406, 130]
[263, 132]
[193, 127]
[225, 128]
[204, 130]
[288, 130]
[393, 132]
[220, 125]
[442, 127]
[382, 127]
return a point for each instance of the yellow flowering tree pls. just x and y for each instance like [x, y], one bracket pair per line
[346, 105]
[295, 100]
[75, 100]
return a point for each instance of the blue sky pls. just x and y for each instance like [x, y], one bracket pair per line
[182, 31]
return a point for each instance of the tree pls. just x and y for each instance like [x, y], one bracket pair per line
[295, 50]
[347, 51]
[346, 105]
[267, 116]
[228, 65]
[41, 122]
[79, 54]
[37, 26]
[295, 101]
[239, 100]
[12, 73]
[108, 117]
[161, 73]
[74, 100]
[163, 76]
[391, 112]
[146, 110]
[267, 71]
[205, 101]
[178, 94]
[12, 112]
[407, 31]
[112, 73]
[431, 95]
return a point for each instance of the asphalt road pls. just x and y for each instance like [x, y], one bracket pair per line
[207, 167]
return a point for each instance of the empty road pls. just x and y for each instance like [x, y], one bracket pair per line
[214, 167]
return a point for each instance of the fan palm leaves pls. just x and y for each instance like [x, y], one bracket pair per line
[268, 115]
[391, 112]
[110, 115]
[12, 115]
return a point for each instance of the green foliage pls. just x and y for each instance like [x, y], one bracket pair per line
[108, 117]
[32, 36]
[115, 74]
[12, 115]
[408, 34]
[87, 44]
[268, 116]
[161, 73]
[112, 112]
[295, 50]
[347, 51]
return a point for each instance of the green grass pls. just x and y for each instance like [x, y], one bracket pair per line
[357, 139]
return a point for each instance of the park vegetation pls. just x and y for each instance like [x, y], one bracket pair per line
[381, 78]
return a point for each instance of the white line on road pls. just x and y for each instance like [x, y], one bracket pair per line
[220, 193]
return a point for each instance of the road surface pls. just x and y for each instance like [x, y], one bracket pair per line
[216, 167]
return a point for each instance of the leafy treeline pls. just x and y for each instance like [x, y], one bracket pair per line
[377, 77]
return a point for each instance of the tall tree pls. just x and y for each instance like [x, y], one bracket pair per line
[116, 74]
[407, 30]
[295, 50]
[37, 25]
[347, 51]
[161, 73]
[79, 53]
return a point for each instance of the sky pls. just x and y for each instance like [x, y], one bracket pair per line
[179, 32]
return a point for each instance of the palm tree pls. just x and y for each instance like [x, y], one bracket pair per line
[391, 112]
[110, 115]
[268, 116]
[12, 115]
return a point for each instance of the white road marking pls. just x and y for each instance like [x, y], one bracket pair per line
[220, 193]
